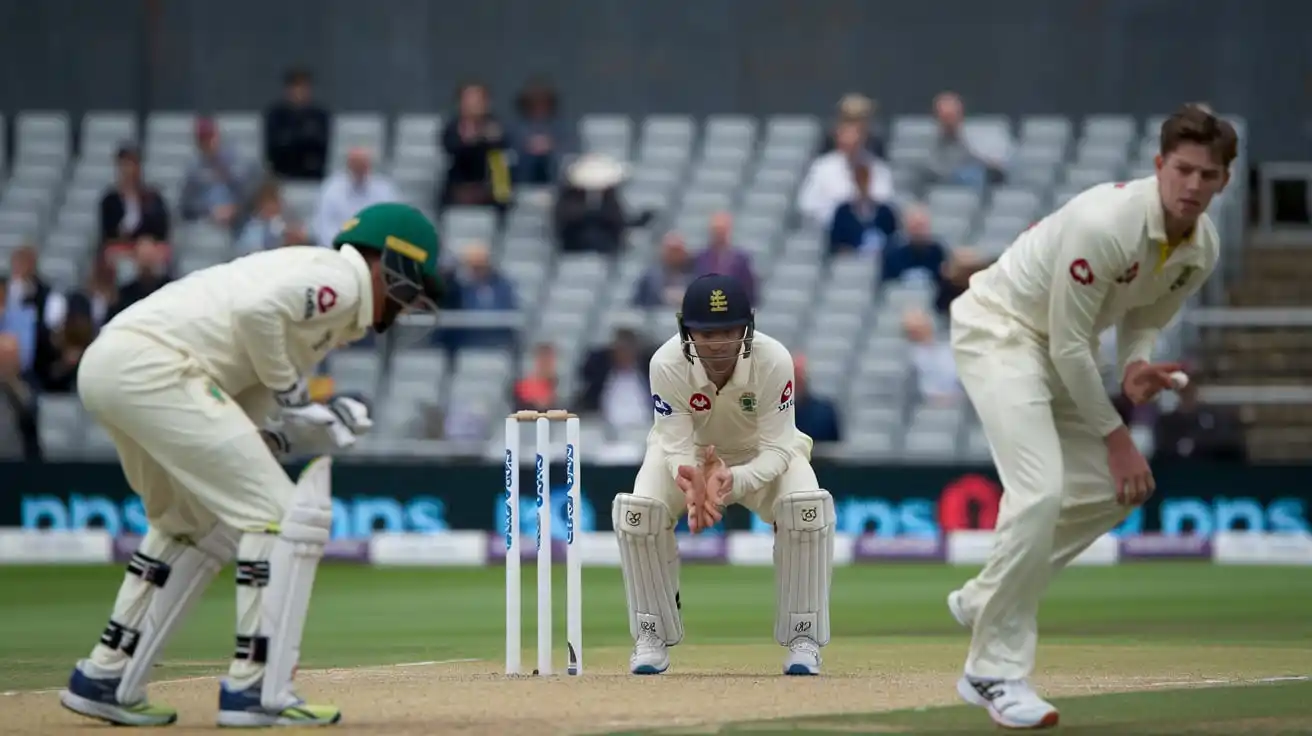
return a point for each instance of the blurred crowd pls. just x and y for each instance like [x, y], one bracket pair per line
[848, 192]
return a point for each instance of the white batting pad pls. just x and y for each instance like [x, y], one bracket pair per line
[803, 565]
[165, 577]
[649, 556]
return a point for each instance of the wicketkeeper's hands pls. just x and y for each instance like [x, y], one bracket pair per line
[707, 489]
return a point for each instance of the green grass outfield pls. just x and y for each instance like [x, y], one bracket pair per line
[1188, 614]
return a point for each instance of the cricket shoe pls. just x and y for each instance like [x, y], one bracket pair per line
[243, 709]
[96, 698]
[1011, 703]
[957, 607]
[803, 657]
[650, 655]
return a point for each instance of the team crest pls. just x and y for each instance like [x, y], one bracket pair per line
[699, 402]
[1183, 278]
[748, 402]
[719, 302]
[216, 393]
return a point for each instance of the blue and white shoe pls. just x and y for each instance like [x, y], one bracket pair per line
[242, 709]
[97, 698]
[803, 657]
[650, 655]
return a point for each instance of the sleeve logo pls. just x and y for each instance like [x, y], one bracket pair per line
[786, 397]
[699, 402]
[662, 407]
[1081, 271]
[326, 299]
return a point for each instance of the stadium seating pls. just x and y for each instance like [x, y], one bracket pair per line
[833, 309]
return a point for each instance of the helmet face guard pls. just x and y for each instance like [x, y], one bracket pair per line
[718, 352]
[409, 289]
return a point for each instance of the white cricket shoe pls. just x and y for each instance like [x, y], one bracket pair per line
[803, 657]
[650, 655]
[1011, 703]
[957, 607]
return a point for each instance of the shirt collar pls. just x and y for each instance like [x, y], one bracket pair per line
[365, 316]
[1157, 215]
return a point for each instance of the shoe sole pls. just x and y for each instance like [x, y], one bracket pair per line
[649, 669]
[112, 714]
[251, 719]
[969, 695]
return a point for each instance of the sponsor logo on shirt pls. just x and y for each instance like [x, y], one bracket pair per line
[309, 303]
[786, 397]
[699, 402]
[1081, 271]
[662, 406]
[326, 299]
[1183, 278]
[323, 341]
[1130, 274]
[748, 402]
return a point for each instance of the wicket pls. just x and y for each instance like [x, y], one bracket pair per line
[573, 560]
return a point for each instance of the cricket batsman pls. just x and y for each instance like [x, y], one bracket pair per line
[724, 433]
[1025, 338]
[202, 387]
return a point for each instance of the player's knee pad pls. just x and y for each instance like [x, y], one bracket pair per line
[803, 564]
[275, 575]
[165, 577]
[649, 556]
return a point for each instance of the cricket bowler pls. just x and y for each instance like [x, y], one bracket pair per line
[724, 433]
[1025, 339]
[202, 387]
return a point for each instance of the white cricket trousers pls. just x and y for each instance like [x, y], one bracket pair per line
[1058, 495]
[656, 481]
[188, 449]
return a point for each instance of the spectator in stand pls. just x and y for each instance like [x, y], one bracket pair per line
[663, 284]
[934, 368]
[153, 272]
[296, 131]
[19, 439]
[69, 342]
[347, 192]
[270, 226]
[830, 182]
[862, 225]
[131, 209]
[963, 262]
[816, 416]
[27, 288]
[97, 299]
[540, 135]
[483, 288]
[219, 183]
[476, 144]
[859, 109]
[537, 390]
[721, 256]
[1200, 431]
[615, 382]
[589, 214]
[920, 255]
[18, 319]
[962, 156]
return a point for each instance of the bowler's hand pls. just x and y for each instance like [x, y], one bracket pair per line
[1130, 472]
[1143, 380]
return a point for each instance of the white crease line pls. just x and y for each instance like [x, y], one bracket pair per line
[1256, 681]
[430, 663]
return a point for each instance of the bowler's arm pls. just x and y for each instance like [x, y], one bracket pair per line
[1087, 263]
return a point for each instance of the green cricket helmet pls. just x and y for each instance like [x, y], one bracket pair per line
[409, 246]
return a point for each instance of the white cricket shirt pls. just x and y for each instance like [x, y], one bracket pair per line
[264, 319]
[1100, 260]
[751, 421]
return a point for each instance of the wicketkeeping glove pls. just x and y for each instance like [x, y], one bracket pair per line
[307, 428]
